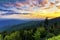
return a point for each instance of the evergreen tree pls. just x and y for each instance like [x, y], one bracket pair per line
[37, 35]
[46, 24]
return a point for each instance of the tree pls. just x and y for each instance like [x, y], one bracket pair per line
[13, 36]
[46, 24]
[1, 37]
[55, 38]
[37, 35]
[3, 34]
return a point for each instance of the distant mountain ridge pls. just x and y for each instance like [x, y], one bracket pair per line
[24, 24]
[57, 19]
[7, 23]
[33, 24]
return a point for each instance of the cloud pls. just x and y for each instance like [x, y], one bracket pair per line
[13, 7]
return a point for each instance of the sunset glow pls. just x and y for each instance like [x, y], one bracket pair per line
[34, 8]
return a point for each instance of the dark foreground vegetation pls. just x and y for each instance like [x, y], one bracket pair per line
[46, 30]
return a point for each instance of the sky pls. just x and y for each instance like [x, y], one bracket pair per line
[25, 9]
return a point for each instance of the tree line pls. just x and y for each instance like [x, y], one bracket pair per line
[43, 32]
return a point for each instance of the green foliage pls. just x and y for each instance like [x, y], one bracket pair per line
[13, 36]
[55, 38]
[37, 34]
[28, 35]
[0, 37]
[49, 35]
[34, 31]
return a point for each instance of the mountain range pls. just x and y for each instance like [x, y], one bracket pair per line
[9, 25]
